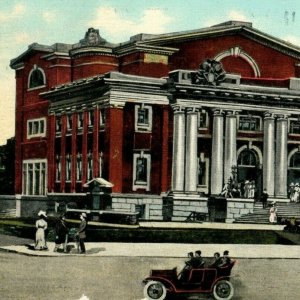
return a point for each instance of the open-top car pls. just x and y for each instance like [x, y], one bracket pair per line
[214, 281]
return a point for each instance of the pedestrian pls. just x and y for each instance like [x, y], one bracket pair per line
[273, 213]
[61, 231]
[264, 198]
[41, 225]
[81, 235]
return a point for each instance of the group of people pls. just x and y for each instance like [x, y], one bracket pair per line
[61, 233]
[245, 189]
[294, 192]
[197, 262]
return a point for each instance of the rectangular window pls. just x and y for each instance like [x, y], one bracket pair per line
[249, 123]
[91, 118]
[58, 168]
[203, 169]
[58, 124]
[90, 166]
[141, 171]
[34, 177]
[202, 119]
[68, 167]
[80, 120]
[294, 127]
[36, 128]
[102, 117]
[78, 167]
[69, 122]
[143, 118]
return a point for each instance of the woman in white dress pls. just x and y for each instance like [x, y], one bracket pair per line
[41, 225]
[273, 214]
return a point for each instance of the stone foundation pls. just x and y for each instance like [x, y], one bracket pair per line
[237, 207]
[151, 206]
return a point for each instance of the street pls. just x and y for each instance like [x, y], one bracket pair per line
[111, 278]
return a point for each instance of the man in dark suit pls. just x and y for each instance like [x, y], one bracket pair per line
[81, 232]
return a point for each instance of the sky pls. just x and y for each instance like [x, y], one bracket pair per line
[24, 22]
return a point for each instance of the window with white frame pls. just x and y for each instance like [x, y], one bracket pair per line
[58, 168]
[34, 177]
[36, 78]
[36, 128]
[202, 119]
[143, 118]
[69, 122]
[58, 124]
[68, 167]
[90, 166]
[141, 171]
[91, 118]
[78, 167]
[294, 126]
[249, 123]
[102, 117]
[80, 120]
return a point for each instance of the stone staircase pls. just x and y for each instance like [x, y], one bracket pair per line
[8, 213]
[261, 215]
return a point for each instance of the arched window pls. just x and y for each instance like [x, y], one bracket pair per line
[36, 78]
[295, 160]
[247, 158]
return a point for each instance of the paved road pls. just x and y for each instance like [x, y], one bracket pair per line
[119, 278]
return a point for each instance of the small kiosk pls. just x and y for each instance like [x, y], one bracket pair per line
[99, 205]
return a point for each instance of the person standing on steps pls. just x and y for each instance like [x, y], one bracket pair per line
[264, 198]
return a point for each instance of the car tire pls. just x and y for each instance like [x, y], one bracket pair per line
[155, 290]
[223, 290]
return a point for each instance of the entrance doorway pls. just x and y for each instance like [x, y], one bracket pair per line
[249, 172]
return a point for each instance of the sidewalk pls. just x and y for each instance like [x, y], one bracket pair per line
[166, 250]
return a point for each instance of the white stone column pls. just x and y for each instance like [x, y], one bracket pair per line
[230, 144]
[281, 157]
[191, 160]
[269, 153]
[217, 153]
[178, 149]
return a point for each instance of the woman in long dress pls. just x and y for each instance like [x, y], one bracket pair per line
[273, 214]
[41, 225]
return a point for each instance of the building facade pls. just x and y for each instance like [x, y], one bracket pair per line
[169, 119]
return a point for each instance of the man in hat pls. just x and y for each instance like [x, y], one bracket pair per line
[81, 233]
[61, 231]
[225, 260]
[198, 260]
[264, 198]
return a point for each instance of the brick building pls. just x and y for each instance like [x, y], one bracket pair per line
[169, 119]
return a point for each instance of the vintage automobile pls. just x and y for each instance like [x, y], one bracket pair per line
[216, 281]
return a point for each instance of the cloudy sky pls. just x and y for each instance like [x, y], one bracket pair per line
[46, 22]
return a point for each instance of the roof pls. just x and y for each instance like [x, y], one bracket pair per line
[101, 182]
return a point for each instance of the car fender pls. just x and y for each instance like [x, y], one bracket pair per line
[168, 283]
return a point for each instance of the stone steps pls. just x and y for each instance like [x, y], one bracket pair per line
[261, 215]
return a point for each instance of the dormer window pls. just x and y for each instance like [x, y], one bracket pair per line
[37, 78]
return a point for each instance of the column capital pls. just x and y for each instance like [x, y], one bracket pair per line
[269, 115]
[178, 108]
[231, 113]
[218, 112]
[192, 109]
[282, 117]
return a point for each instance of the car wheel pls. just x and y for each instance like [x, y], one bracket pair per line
[223, 290]
[155, 290]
